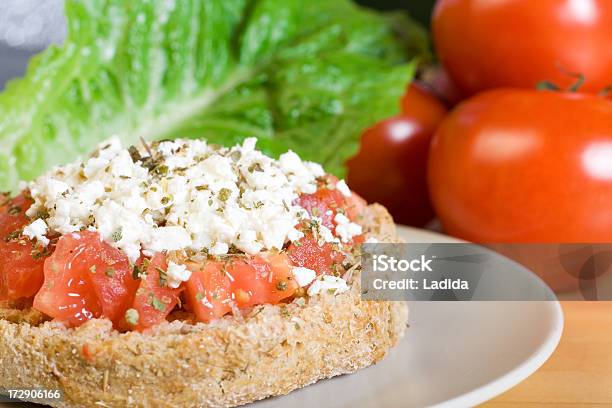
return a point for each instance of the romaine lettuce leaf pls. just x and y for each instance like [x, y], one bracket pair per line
[302, 75]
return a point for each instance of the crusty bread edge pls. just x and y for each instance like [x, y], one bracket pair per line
[222, 364]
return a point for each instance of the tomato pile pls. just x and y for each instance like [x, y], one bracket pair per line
[79, 277]
[525, 154]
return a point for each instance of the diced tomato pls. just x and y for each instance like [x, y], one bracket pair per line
[21, 269]
[260, 280]
[12, 214]
[324, 204]
[208, 291]
[323, 259]
[67, 295]
[327, 202]
[21, 265]
[85, 278]
[154, 299]
[245, 282]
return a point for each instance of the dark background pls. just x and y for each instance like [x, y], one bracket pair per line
[419, 9]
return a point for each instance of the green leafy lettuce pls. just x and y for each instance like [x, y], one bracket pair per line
[302, 75]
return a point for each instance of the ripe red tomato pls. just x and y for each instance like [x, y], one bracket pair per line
[391, 166]
[21, 268]
[261, 280]
[85, 278]
[208, 291]
[525, 166]
[12, 214]
[327, 201]
[248, 281]
[436, 81]
[518, 43]
[324, 259]
[154, 299]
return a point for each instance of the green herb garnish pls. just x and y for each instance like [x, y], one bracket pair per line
[117, 235]
[224, 194]
[163, 276]
[281, 285]
[158, 304]
[132, 316]
[137, 273]
[13, 236]
[39, 253]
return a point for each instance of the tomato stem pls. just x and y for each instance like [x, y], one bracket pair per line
[547, 86]
[551, 86]
[605, 92]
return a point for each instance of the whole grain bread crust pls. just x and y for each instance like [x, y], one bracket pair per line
[225, 363]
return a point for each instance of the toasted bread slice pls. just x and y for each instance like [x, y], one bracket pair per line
[233, 361]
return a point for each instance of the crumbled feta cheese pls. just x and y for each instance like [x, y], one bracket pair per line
[303, 276]
[325, 234]
[37, 230]
[329, 283]
[179, 195]
[170, 238]
[346, 229]
[343, 188]
[295, 235]
[220, 248]
[341, 219]
[176, 274]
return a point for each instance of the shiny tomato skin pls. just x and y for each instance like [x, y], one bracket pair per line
[22, 261]
[154, 299]
[208, 291]
[525, 166]
[85, 278]
[517, 43]
[391, 165]
[66, 294]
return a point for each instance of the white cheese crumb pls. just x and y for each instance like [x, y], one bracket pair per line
[176, 274]
[346, 229]
[303, 276]
[329, 283]
[295, 235]
[188, 196]
[324, 233]
[220, 248]
[37, 230]
[343, 188]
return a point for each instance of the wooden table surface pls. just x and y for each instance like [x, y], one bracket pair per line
[579, 373]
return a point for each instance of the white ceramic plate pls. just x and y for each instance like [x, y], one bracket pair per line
[455, 354]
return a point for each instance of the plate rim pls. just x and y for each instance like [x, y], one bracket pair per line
[518, 374]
